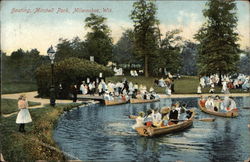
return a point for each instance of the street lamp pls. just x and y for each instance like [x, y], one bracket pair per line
[51, 52]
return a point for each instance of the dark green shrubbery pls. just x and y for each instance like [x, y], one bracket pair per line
[67, 72]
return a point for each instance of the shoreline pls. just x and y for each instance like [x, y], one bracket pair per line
[205, 95]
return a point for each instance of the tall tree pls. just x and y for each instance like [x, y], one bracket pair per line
[189, 58]
[218, 49]
[170, 57]
[124, 49]
[98, 41]
[245, 62]
[145, 30]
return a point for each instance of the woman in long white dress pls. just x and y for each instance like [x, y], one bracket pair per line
[23, 116]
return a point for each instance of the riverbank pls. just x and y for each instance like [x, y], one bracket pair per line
[205, 95]
[37, 142]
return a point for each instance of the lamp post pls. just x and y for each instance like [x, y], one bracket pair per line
[51, 52]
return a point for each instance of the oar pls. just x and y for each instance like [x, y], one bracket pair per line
[206, 119]
[246, 107]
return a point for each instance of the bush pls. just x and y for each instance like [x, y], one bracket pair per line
[67, 72]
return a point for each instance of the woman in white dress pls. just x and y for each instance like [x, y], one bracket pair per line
[23, 116]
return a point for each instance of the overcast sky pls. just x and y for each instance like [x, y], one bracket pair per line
[22, 28]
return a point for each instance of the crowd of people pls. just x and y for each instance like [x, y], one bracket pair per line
[164, 117]
[119, 90]
[240, 81]
[168, 83]
[218, 104]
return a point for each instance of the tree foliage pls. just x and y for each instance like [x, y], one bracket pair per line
[145, 30]
[218, 48]
[21, 65]
[189, 56]
[124, 51]
[170, 51]
[244, 63]
[67, 72]
[98, 42]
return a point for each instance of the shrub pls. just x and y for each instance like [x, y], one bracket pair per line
[67, 72]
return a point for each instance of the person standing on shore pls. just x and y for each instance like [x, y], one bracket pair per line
[23, 116]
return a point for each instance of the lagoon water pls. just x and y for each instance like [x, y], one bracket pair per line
[104, 133]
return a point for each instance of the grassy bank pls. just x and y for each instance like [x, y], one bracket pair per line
[17, 87]
[185, 85]
[10, 105]
[36, 142]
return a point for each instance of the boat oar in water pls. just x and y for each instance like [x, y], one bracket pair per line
[206, 119]
[246, 107]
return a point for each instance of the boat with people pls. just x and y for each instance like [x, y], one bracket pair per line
[134, 100]
[150, 131]
[229, 114]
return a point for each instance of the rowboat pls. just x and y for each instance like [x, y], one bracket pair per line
[114, 102]
[156, 131]
[229, 114]
[133, 100]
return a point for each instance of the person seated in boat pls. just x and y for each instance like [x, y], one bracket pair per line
[156, 115]
[173, 115]
[111, 97]
[154, 95]
[217, 103]
[203, 101]
[139, 96]
[232, 105]
[106, 96]
[139, 120]
[148, 121]
[209, 103]
[189, 114]
[146, 96]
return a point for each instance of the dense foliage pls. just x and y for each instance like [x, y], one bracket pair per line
[189, 59]
[218, 48]
[67, 72]
[21, 65]
[98, 42]
[146, 31]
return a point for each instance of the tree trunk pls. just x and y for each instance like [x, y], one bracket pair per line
[220, 79]
[146, 66]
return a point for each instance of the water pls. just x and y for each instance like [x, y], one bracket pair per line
[104, 133]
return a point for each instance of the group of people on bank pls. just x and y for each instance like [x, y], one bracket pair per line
[125, 90]
[163, 117]
[218, 104]
[167, 83]
[237, 82]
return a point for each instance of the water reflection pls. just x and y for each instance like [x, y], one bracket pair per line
[104, 133]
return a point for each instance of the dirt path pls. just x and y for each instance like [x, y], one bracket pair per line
[31, 97]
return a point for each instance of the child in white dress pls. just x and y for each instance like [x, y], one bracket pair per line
[23, 116]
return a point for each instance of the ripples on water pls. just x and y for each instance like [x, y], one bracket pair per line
[102, 133]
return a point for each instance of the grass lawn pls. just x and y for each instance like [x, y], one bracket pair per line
[31, 145]
[10, 105]
[17, 87]
[185, 85]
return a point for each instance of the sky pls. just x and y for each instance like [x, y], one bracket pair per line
[40, 24]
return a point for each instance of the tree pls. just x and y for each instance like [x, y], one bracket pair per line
[169, 53]
[245, 62]
[67, 72]
[98, 42]
[124, 49]
[218, 49]
[189, 58]
[145, 30]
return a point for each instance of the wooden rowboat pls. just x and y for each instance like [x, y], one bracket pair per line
[133, 100]
[115, 102]
[155, 131]
[229, 114]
